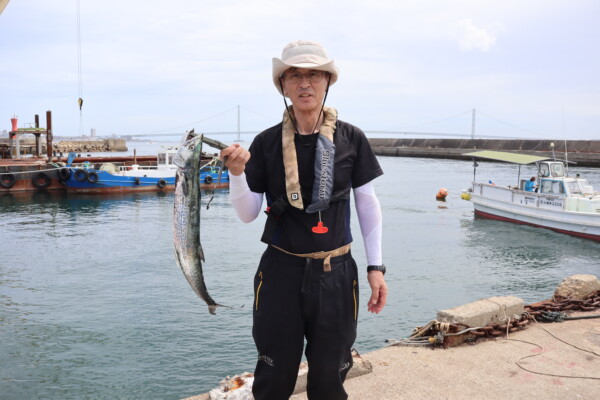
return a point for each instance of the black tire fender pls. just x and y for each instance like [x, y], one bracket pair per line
[161, 183]
[7, 180]
[41, 180]
[64, 173]
[92, 177]
[208, 179]
[80, 175]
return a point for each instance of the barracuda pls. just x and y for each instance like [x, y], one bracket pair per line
[186, 217]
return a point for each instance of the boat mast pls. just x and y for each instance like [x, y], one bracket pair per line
[565, 135]
[473, 125]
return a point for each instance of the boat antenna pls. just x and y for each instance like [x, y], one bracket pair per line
[565, 135]
[552, 147]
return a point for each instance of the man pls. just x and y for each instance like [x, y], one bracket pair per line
[530, 184]
[306, 286]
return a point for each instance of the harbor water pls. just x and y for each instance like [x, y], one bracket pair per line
[93, 305]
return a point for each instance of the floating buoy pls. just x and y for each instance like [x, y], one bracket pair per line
[441, 194]
[465, 195]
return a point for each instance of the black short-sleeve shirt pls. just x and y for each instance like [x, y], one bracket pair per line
[355, 165]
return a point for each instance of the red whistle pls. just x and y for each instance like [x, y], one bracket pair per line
[320, 228]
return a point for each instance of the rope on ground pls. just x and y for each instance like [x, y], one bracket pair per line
[425, 341]
[420, 335]
[565, 342]
[518, 362]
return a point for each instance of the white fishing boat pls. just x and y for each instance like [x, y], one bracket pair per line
[559, 202]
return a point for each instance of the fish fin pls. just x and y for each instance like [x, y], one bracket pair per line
[178, 259]
[200, 252]
[213, 308]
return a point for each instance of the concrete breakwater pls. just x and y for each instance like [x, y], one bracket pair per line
[583, 152]
[105, 145]
[27, 146]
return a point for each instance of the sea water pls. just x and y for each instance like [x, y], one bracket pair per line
[93, 305]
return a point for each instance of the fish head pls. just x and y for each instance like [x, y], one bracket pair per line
[189, 151]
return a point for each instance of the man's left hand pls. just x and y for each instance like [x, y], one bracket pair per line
[378, 292]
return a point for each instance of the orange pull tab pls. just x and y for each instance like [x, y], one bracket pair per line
[320, 228]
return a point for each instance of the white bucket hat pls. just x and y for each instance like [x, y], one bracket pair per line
[303, 54]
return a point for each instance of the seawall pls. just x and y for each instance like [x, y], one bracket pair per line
[583, 152]
[105, 145]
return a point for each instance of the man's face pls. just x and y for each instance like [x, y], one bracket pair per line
[305, 88]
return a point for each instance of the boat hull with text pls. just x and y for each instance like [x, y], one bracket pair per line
[561, 203]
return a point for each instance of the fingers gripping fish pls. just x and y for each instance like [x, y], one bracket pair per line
[186, 217]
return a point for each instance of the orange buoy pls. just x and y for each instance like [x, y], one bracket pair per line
[441, 194]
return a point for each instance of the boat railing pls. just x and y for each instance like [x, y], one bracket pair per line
[136, 167]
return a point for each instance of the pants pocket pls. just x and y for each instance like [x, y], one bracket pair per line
[257, 285]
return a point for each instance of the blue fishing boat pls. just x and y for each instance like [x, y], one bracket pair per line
[110, 178]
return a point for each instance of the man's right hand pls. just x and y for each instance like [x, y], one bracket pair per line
[237, 157]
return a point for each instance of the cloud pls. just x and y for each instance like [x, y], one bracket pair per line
[471, 37]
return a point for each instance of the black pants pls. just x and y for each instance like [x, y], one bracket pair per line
[296, 299]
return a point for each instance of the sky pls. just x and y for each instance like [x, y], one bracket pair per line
[530, 68]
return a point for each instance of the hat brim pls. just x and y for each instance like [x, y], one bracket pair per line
[279, 67]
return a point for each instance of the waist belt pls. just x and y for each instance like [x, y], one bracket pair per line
[321, 255]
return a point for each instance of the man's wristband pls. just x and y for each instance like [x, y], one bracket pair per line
[376, 268]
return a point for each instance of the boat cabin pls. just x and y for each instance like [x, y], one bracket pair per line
[164, 159]
[553, 180]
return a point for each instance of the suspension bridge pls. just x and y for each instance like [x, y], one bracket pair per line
[473, 134]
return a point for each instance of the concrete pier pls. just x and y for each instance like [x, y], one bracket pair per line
[584, 152]
[544, 360]
[489, 369]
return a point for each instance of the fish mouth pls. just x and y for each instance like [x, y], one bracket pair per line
[189, 141]
[188, 137]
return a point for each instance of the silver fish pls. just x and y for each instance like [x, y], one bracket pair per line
[186, 218]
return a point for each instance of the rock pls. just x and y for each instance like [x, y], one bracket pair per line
[577, 287]
[237, 388]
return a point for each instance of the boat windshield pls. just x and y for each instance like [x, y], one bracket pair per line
[574, 187]
[552, 187]
[165, 158]
[557, 169]
[585, 187]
